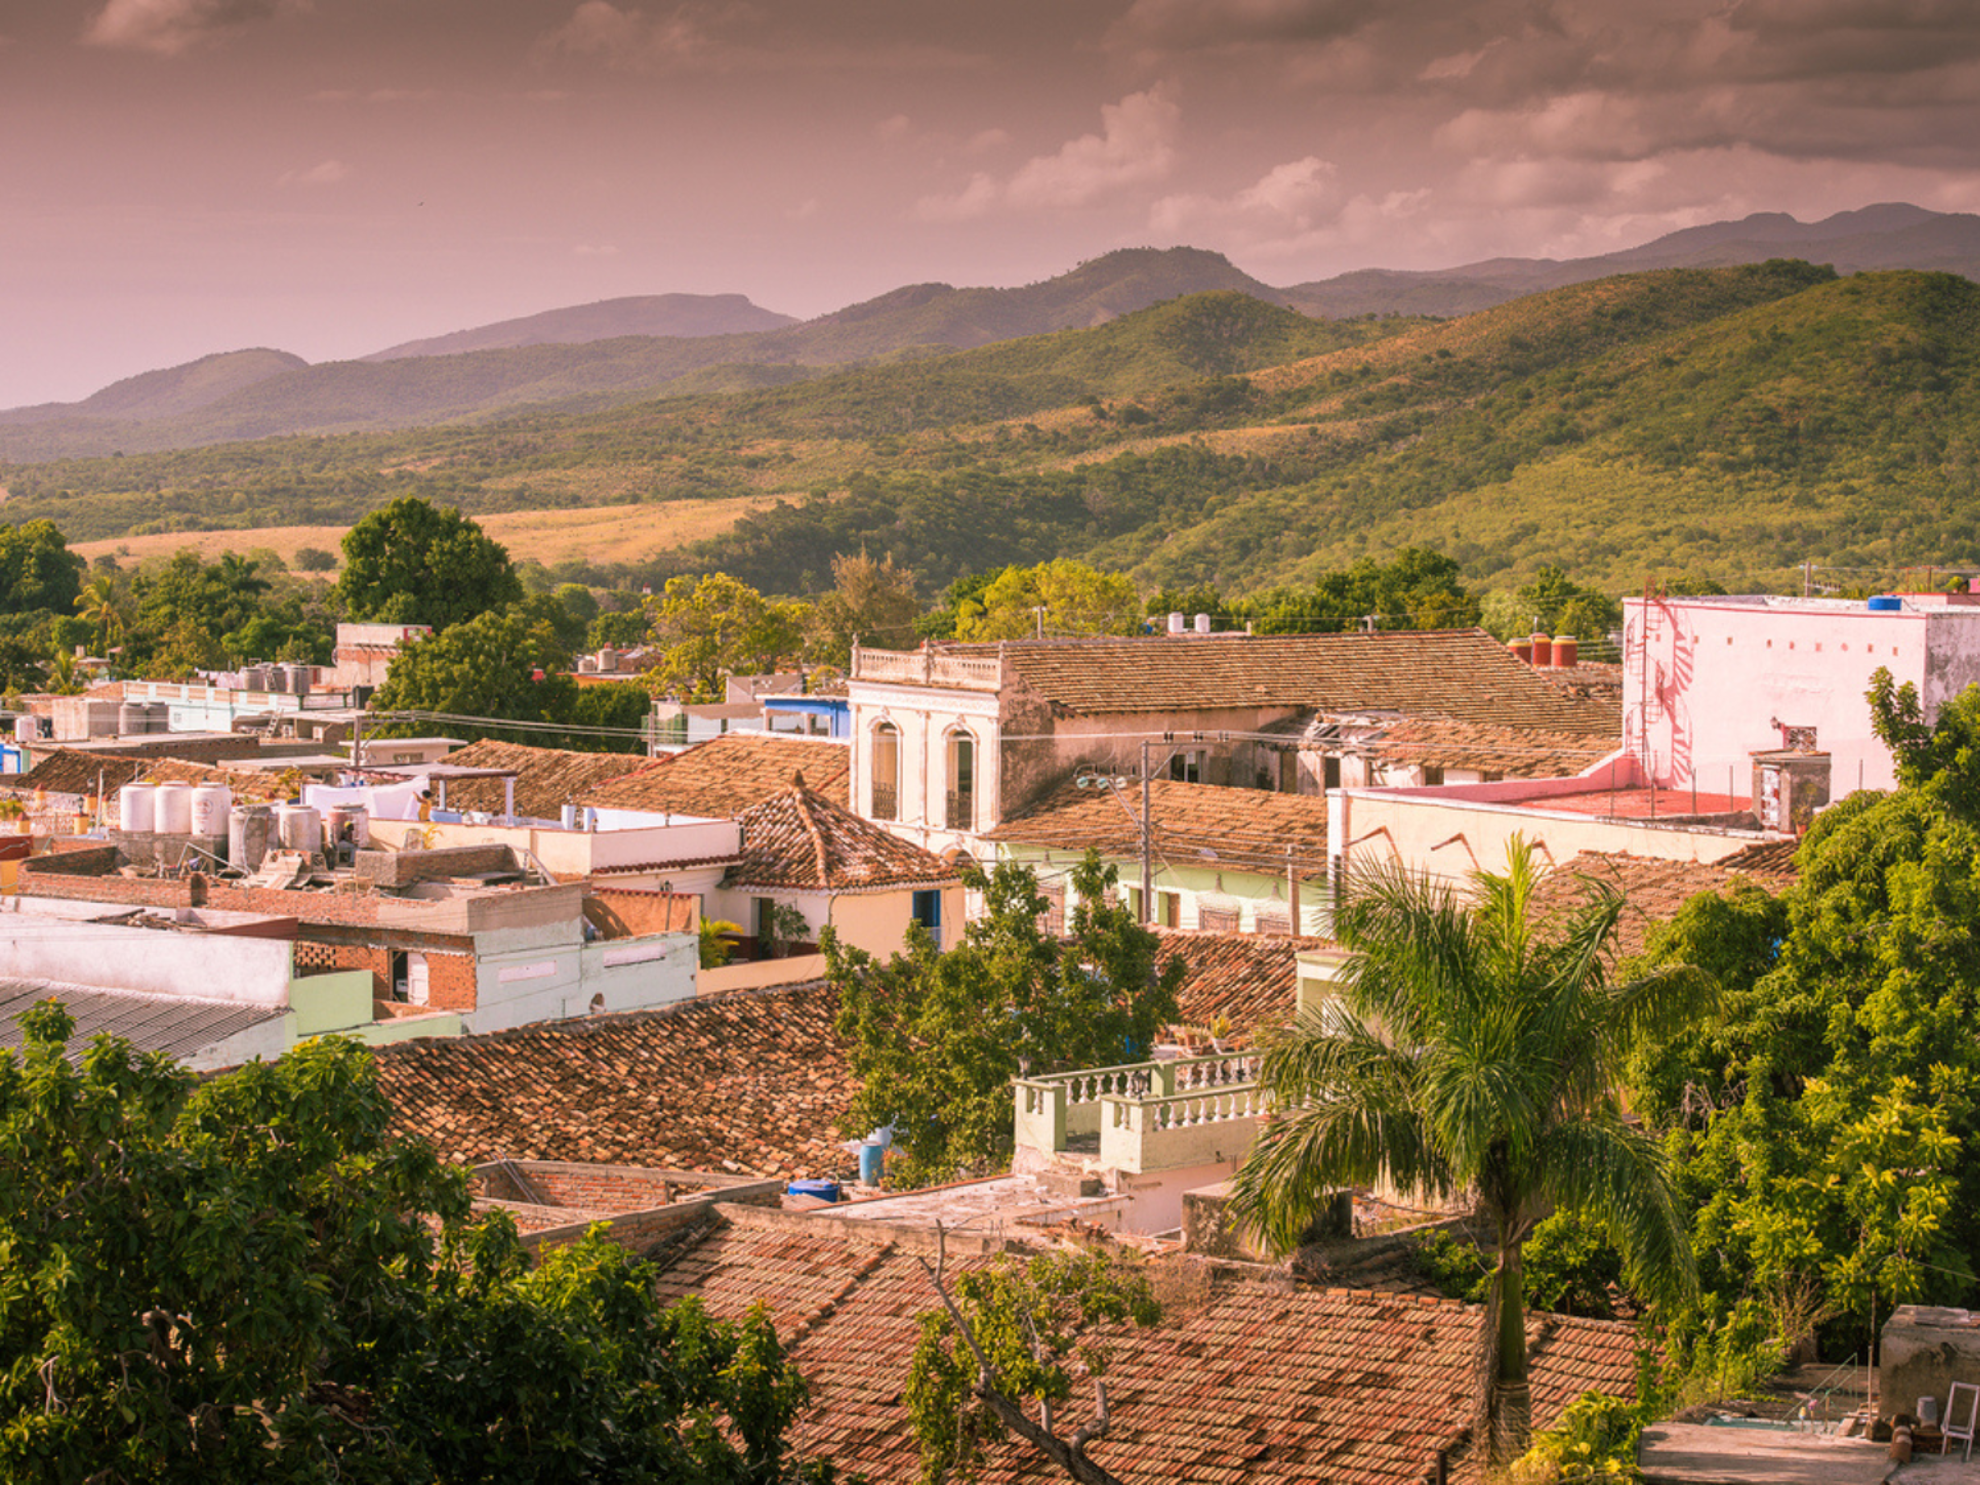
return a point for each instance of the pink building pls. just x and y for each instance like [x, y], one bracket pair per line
[1710, 682]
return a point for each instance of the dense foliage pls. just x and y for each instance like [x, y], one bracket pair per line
[411, 563]
[935, 1038]
[252, 1279]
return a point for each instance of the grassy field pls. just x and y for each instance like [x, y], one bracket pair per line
[618, 533]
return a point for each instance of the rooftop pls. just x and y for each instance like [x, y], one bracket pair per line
[1244, 1381]
[547, 779]
[178, 1026]
[1509, 752]
[1253, 979]
[1655, 890]
[799, 840]
[743, 1083]
[1200, 825]
[724, 776]
[1461, 673]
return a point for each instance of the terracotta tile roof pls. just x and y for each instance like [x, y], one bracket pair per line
[1590, 680]
[67, 771]
[1256, 1382]
[799, 840]
[724, 776]
[1656, 889]
[1251, 978]
[748, 1084]
[1461, 673]
[1510, 752]
[1247, 828]
[547, 779]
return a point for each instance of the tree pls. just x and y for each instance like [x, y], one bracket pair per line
[710, 627]
[870, 601]
[935, 1038]
[315, 559]
[411, 563]
[99, 606]
[1011, 1334]
[1076, 599]
[488, 667]
[1470, 1051]
[1415, 589]
[1556, 604]
[37, 569]
[249, 1277]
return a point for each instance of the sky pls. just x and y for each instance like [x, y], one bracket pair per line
[330, 177]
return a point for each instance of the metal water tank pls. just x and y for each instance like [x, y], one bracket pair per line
[210, 804]
[136, 806]
[249, 827]
[295, 679]
[301, 828]
[171, 811]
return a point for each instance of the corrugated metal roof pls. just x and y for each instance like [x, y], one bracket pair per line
[151, 1023]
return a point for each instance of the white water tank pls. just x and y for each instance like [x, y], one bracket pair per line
[1177, 624]
[301, 828]
[1202, 623]
[171, 811]
[135, 808]
[248, 828]
[210, 803]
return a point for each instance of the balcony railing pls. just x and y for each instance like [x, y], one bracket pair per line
[930, 668]
[1055, 1107]
[1150, 1134]
[962, 809]
[886, 802]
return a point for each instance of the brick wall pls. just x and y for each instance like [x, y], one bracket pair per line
[630, 912]
[402, 868]
[182, 746]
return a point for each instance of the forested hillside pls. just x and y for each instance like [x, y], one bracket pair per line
[1725, 423]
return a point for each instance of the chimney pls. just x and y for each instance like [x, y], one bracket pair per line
[1177, 623]
[1202, 623]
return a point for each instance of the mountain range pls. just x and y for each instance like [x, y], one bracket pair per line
[594, 357]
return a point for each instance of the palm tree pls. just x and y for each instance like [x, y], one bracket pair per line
[97, 604]
[1472, 1052]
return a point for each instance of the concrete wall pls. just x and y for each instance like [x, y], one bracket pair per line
[878, 921]
[253, 971]
[762, 974]
[1253, 893]
[619, 843]
[926, 717]
[1712, 677]
[562, 980]
[1923, 1350]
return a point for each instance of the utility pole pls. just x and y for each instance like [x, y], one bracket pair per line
[1147, 844]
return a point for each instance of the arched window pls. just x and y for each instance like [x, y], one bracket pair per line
[886, 772]
[962, 781]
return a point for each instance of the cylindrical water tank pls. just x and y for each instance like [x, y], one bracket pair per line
[1202, 623]
[1567, 651]
[295, 679]
[608, 659]
[157, 716]
[210, 803]
[248, 828]
[171, 811]
[135, 808]
[1543, 648]
[131, 717]
[301, 826]
[587, 665]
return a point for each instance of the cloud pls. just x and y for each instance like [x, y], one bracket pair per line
[629, 39]
[1221, 25]
[1135, 146]
[895, 126]
[170, 27]
[1288, 202]
[596, 249]
[327, 173]
[723, 37]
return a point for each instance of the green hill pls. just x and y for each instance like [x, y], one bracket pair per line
[1729, 423]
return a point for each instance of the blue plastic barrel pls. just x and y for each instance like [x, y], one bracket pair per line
[823, 1190]
[872, 1162]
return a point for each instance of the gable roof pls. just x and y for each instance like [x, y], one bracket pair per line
[180, 1027]
[799, 840]
[1251, 978]
[724, 776]
[1255, 1382]
[744, 1083]
[547, 779]
[1245, 829]
[70, 771]
[1655, 890]
[1460, 673]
